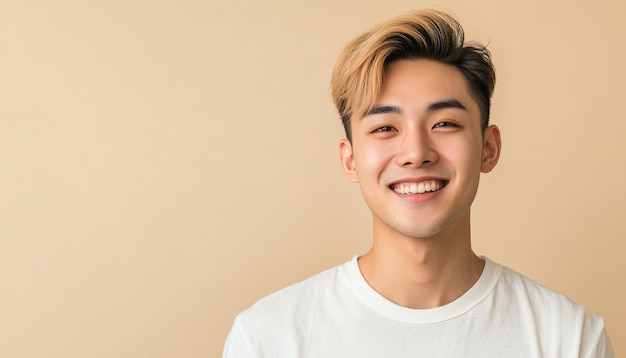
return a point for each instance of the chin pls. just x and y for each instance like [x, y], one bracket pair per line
[428, 229]
[425, 233]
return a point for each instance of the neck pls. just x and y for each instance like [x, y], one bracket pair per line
[422, 273]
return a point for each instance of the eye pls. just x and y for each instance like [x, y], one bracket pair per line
[445, 124]
[384, 129]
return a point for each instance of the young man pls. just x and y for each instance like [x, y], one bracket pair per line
[414, 100]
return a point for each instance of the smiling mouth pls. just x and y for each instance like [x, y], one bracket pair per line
[419, 188]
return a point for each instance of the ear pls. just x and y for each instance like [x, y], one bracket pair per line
[347, 161]
[491, 148]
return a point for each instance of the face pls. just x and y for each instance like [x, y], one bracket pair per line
[419, 152]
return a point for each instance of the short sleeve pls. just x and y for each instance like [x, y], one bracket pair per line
[604, 349]
[236, 345]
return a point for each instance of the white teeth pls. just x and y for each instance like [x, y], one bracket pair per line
[420, 188]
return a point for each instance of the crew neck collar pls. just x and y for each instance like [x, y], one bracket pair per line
[481, 289]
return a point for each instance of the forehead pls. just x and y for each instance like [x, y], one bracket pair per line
[417, 83]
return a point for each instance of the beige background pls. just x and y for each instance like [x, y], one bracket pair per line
[163, 164]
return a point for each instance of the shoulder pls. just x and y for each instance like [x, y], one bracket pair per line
[292, 302]
[274, 324]
[549, 312]
[541, 297]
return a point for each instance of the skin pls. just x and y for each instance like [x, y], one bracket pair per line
[425, 127]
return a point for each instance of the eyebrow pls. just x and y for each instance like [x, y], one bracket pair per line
[447, 103]
[435, 106]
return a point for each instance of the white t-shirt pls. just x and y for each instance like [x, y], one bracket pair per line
[337, 314]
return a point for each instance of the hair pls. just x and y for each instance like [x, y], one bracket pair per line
[358, 76]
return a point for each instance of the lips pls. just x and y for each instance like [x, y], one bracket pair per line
[421, 187]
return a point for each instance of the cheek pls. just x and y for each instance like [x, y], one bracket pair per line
[467, 154]
[372, 157]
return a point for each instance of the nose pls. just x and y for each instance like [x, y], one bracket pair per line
[416, 149]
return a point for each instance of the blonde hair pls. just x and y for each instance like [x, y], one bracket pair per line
[358, 76]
